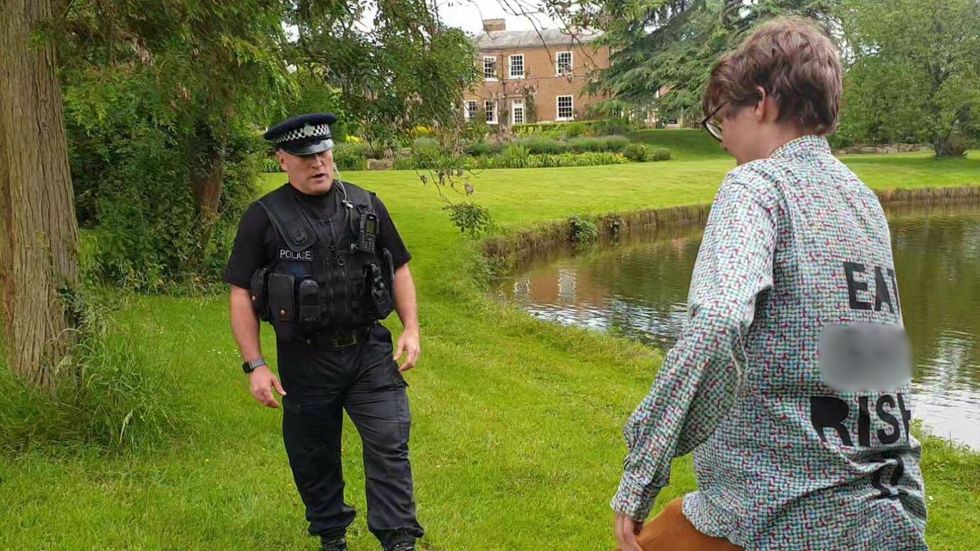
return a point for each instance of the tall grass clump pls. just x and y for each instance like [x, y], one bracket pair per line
[108, 396]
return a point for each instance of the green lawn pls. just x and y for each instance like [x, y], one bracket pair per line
[684, 143]
[517, 423]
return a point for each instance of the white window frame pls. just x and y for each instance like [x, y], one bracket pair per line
[571, 63]
[514, 105]
[490, 106]
[558, 116]
[495, 73]
[510, 66]
[467, 115]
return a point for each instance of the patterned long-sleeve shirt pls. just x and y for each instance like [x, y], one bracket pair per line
[785, 458]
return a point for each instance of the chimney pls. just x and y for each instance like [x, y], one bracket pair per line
[494, 25]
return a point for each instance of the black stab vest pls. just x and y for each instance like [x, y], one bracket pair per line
[348, 292]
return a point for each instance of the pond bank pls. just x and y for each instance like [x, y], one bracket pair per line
[518, 247]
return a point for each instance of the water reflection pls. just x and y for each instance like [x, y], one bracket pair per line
[639, 290]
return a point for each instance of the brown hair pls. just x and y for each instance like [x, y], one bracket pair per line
[794, 62]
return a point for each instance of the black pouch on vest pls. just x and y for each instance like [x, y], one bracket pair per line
[309, 304]
[281, 297]
[259, 293]
[389, 270]
[381, 297]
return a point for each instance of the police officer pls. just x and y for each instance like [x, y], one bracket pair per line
[321, 260]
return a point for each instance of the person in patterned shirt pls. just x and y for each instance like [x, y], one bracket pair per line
[790, 379]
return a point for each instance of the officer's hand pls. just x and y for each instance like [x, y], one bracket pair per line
[408, 342]
[262, 381]
[626, 530]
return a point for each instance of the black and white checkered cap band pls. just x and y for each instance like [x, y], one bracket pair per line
[308, 131]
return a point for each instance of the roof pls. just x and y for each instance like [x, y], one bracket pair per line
[499, 40]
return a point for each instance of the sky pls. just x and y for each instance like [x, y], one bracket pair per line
[469, 15]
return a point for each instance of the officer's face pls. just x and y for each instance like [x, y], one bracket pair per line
[311, 174]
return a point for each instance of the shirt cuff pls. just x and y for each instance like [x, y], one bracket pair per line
[634, 498]
[232, 280]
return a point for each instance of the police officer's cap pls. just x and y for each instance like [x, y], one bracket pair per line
[303, 135]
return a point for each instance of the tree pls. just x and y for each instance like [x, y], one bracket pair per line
[914, 72]
[39, 237]
[671, 45]
[407, 70]
[178, 97]
[164, 104]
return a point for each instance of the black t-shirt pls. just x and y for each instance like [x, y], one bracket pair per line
[255, 244]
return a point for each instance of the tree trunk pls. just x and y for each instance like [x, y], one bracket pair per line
[38, 230]
[207, 182]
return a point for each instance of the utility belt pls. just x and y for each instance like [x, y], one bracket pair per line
[304, 305]
[340, 338]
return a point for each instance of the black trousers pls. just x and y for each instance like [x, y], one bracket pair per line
[362, 379]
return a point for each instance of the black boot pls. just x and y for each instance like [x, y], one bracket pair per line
[401, 541]
[336, 543]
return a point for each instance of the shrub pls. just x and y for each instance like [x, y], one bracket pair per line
[581, 145]
[470, 219]
[552, 161]
[350, 156]
[605, 143]
[427, 154]
[615, 143]
[602, 127]
[424, 142]
[574, 129]
[661, 154]
[515, 156]
[577, 159]
[583, 230]
[133, 183]
[544, 161]
[541, 128]
[422, 131]
[270, 165]
[148, 228]
[405, 163]
[543, 145]
[637, 152]
[483, 148]
[839, 140]
[607, 127]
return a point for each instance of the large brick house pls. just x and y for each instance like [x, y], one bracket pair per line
[529, 76]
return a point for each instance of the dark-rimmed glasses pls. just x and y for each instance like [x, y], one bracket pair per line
[712, 125]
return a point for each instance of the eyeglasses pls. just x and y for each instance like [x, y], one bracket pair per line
[712, 125]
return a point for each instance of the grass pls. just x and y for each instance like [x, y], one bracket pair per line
[516, 439]
[684, 143]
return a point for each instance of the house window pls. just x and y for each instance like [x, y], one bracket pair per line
[517, 66]
[490, 107]
[489, 67]
[565, 108]
[563, 64]
[470, 112]
[517, 112]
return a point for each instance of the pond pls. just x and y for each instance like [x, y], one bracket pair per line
[638, 289]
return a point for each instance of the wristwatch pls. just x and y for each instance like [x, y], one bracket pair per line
[251, 366]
